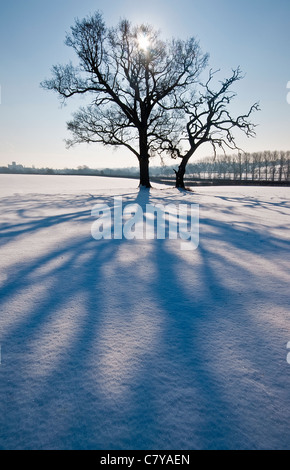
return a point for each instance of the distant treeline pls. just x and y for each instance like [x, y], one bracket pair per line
[131, 172]
[259, 166]
[81, 170]
[269, 166]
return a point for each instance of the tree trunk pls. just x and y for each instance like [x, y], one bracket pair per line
[144, 158]
[180, 173]
[144, 172]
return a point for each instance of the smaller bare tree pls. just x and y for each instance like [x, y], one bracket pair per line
[208, 120]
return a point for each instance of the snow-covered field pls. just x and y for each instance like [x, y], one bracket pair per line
[118, 344]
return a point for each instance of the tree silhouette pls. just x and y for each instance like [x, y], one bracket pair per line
[132, 78]
[207, 119]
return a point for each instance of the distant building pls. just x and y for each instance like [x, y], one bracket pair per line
[15, 167]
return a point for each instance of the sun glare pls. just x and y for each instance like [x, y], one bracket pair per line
[143, 42]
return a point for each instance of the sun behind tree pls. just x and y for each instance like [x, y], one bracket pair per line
[143, 41]
[131, 92]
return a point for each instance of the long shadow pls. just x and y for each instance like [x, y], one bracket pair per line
[119, 344]
[212, 399]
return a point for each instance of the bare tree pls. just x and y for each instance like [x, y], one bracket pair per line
[259, 159]
[281, 165]
[274, 162]
[235, 167]
[253, 165]
[287, 170]
[130, 75]
[266, 163]
[208, 120]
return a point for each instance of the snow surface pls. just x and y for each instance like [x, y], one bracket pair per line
[118, 344]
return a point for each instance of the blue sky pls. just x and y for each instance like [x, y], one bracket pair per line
[252, 34]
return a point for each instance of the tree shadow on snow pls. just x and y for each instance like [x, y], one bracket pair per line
[135, 344]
